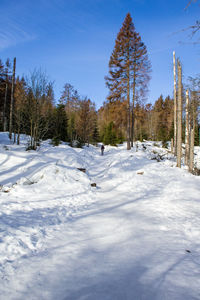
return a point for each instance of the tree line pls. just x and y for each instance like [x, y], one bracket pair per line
[27, 105]
[34, 111]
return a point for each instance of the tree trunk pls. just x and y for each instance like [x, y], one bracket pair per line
[4, 107]
[179, 119]
[133, 111]
[192, 135]
[18, 137]
[128, 108]
[175, 106]
[12, 99]
[191, 164]
[187, 130]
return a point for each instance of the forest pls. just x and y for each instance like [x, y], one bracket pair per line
[28, 105]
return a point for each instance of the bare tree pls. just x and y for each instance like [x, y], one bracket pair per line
[12, 100]
[191, 154]
[40, 102]
[179, 118]
[175, 106]
[187, 139]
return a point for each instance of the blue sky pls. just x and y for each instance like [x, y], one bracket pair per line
[72, 40]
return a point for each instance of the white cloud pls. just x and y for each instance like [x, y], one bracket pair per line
[12, 34]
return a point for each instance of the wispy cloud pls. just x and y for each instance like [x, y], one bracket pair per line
[12, 34]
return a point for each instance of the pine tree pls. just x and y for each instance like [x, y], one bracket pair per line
[85, 120]
[71, 99]
[19, 106]
[110, 135]
[129, 69]
[95, 135]
[59, 132]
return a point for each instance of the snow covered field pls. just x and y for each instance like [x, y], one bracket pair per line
[134, 236]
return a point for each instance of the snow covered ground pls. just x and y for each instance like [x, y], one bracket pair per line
[134, 236]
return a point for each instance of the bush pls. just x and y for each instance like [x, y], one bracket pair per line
[55, 141]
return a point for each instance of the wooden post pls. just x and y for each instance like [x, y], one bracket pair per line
[175, 106]
[12, 99]
[187, 141]
[179, 117]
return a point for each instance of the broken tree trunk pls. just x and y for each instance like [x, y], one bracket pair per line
[187, 141]
[4, 106]
[12, 99]
[191, 164]
[179, 117]
[175, 106]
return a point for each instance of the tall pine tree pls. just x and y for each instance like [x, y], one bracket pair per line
[129, 70]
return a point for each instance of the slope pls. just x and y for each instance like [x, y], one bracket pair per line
[134, 236]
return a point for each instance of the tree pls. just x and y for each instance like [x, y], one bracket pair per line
[179, 116]
[86, 120]
[60, 123]
[39, 106]
[71, 99]
[12, 100]
[5, 92]
[114, 112]
[110, 135]
[196, 26]
[19, 106]
[95, 134]
[129, 70]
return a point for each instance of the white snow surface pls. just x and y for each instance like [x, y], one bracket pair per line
[136, 235]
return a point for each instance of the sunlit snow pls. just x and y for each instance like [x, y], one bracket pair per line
[136, 235]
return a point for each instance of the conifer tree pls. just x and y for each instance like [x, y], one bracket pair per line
[110, 135]
[59, 124]
[20, 102]
[71, 99]
[129, 69]
[85, 120]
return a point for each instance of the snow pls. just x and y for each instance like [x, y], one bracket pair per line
[134, 236]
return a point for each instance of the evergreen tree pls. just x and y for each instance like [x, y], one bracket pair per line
[95, 135]
[129, 69]
[110, 137]
[60, 124]
[71, 99]
[85, 120]
[19, 106]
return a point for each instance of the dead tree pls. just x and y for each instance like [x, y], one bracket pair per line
[192, 133]
[4, 106]
[179, 116]
[175, 106]
[187, 139]
[12, 99]
[191, 163]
